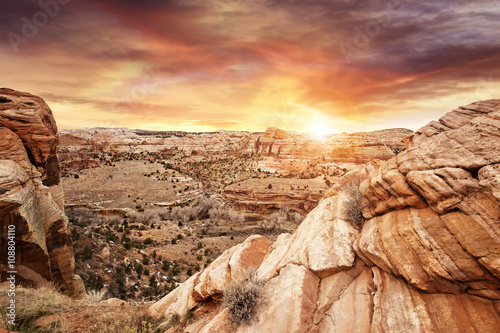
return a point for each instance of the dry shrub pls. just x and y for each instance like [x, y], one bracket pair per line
[353, 202]
[243, 298]
[149, 217]
[83, 214]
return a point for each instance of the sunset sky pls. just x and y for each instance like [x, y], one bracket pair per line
[204, 65]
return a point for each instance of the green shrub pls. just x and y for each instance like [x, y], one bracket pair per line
[188, 317]
[242, 299]
[83, 255]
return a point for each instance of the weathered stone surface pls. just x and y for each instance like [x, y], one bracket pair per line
[352, 309]
[31, 197]
[113, 302]
[233, 264]
[322, 243]
[443, 188]
[251, 200]
[386, 189]
[489, 177]
[399, 307]
[30, 118]
[178, 301]
[214, 324]
[469, 147]
[417, 245]
[333, 287]
[290, 302]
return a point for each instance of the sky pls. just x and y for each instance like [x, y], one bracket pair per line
[202, 65]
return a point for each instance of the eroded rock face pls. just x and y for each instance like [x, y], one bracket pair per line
[427, 258]
[31, 195]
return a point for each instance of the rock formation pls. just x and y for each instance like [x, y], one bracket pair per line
[252, 200]
[426, 259]
[275, 143]
[31, 195]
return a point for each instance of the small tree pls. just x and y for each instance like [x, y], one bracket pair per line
[216, 214]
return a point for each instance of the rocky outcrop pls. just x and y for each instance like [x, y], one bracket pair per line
[426, 259]
[31, 195]
[252, 200]
[231, 265]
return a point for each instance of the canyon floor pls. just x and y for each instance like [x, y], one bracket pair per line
[182, 199]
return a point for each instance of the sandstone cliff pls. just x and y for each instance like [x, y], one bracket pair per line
[31, 195]
[427, 258]
[275, 143]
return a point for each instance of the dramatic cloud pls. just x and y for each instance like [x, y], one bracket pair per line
[202, 65]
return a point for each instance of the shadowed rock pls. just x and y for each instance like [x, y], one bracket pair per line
[31, 196]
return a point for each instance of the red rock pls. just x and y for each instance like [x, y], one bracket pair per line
[31, 196]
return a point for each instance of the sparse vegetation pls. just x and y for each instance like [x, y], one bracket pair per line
[243, 298]
[35, 304]
[95, 296]
[44, 310]
[353, 202]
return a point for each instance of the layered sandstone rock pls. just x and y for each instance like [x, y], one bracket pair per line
[427, 258]
[252, 200]
[31, 195]
[274, 143]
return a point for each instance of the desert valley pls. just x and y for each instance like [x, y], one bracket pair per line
[261, 166]
[250, 232]
[182, 199]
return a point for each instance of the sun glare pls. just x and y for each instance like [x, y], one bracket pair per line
[318, 129]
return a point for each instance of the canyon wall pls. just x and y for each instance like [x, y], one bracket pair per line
[425, 259]
[31, 195]
[275, 143]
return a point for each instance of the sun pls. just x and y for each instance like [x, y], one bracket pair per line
[318, 129]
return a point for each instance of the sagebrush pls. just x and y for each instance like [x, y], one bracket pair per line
[353, 202]
[243, 298]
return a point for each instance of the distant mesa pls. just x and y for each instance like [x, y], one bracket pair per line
[276, 133]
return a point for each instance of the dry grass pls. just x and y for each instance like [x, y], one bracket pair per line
[45, 310]
[127, 320]
[32, 304]
[95, 296]
[353, 203]
[243, 298]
